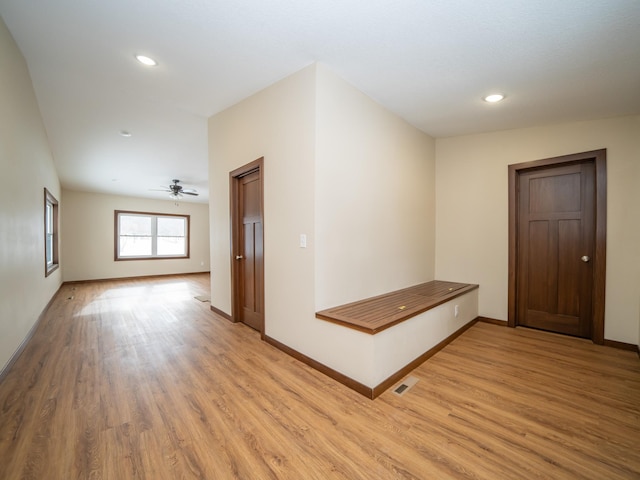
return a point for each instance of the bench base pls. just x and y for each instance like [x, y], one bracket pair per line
[370, 360]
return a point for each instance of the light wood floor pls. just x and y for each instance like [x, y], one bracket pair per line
[137, 379]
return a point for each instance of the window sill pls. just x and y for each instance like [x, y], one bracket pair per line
[126, 259]
[50, 269]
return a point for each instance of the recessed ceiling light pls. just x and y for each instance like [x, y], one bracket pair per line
[125, 133]
[494, 97]
[148, 61]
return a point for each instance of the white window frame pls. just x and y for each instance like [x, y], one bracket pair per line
[51, 262]
[154, 236]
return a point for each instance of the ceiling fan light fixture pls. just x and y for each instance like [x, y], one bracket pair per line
[494, 98]
[176, 191]
[148, 61]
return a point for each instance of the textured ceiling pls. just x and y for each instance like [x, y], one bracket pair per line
[429, 61]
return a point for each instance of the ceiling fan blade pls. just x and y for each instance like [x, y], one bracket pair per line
[189, 193]
[159, 190]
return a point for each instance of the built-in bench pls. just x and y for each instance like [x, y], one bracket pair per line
[392, 334]
[375, 314]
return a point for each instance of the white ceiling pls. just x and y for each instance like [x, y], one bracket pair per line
[430, 61]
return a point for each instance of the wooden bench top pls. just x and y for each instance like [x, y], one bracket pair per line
[372, 315]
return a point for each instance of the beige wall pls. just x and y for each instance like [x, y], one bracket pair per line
[307, 127]
[276, 123]
[27, 168]
[88, 229]
[472, 207]
[375, 197]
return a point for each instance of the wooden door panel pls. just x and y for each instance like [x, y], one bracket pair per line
[555, 194]
[252, 231]
[251, 191]
[538, 291]
[248, 266]
[569, 242]
[248, 297]
[258, 269]
[555, 231]
[553, 322]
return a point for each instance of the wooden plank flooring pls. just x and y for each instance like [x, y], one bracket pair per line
[138, 380]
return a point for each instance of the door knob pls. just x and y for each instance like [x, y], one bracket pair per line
[585, 258]
[240, 257]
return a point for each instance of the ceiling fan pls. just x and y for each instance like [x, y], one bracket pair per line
[177, 191]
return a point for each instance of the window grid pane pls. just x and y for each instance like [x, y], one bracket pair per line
[135, 225]
[171, 227]
[135, 246]
[171, 246]
[49, 221]
[49, 249]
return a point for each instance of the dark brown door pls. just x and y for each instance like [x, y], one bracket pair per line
[556, 238]
[248, 251]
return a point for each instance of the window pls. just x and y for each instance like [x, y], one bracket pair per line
[151, 235]
[50, 233]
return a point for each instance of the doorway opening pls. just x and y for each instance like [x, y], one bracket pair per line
[557, 244]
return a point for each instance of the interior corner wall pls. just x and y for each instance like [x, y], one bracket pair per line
[375, 197]
[472, 210]
[278, 123]
[290, 124]
[88, 228]
[27, 169]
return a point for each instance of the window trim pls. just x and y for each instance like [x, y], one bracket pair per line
[154, 215]
[50, 200]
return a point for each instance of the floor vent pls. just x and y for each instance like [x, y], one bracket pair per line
[401, 388]
[404, 387]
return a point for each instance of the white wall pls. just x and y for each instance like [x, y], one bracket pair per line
[375, 197]
[292, 124]
[27, 168]
[398, 346]
[88, 229]
[276, 123]
[472, 210]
